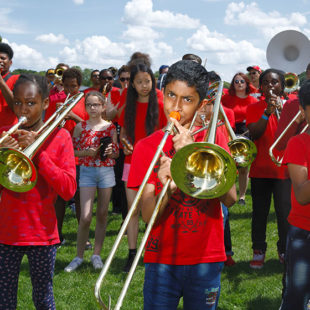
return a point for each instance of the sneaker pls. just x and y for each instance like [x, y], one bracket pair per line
[229, 261]
[76, 262]
[258, 259]
[241, 202]
[129, 262]
[281, 257]
[97, 262]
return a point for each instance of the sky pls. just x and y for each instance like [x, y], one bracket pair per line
[228, 35]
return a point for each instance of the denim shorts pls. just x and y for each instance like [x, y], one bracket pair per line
[101, 177]
[199, 285]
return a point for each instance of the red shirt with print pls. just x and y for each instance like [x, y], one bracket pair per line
[29, 218]
[298, 153]
[190, 230]
[7, 116]
[263, 166]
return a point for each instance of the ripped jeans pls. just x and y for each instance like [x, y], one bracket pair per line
[199, 285]
[297, 278]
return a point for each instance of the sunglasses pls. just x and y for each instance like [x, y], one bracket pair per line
[110, 78]
[253, 72]
[124, 79]
[95, 105]
[239, 81]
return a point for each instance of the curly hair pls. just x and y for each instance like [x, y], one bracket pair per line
[151, 120]
[280, 74]
[73, 73]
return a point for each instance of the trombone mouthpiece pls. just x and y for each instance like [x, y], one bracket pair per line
[176, 115]
[22, 119]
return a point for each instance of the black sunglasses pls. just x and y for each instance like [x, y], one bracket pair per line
[124, 79]
[110, 78]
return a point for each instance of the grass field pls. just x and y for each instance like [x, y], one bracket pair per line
[242, 287]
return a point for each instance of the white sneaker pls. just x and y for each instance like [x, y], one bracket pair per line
[97, 262]
[76, 262]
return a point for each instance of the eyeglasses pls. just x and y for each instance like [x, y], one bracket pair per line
[93, 105]
[95, 75]
[239, 81]
[110, 78]
[124, 79]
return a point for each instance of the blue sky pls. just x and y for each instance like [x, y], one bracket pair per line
[97, 34]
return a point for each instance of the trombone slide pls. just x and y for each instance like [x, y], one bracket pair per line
[21, 121]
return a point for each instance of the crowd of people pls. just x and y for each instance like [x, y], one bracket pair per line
[102, 151]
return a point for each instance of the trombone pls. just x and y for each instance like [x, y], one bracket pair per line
[17, 171]
[291, 82]
[21, 121]
[278, 160]
[215, 153]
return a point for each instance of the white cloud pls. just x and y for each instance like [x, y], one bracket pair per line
[8, 25]
[267, 23]
[140, 33]
[78, 2]
[140, 12]
[52, 38]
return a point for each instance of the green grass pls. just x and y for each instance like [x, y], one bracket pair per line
[242, 287]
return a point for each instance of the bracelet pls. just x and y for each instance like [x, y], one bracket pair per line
[265, 117]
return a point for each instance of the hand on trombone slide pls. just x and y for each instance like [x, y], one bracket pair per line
[9, 141]
[25, 138]
[182, 135]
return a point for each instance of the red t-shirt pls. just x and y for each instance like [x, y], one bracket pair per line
[29, 218]
[263, 166]
[140, 132]
[87, 90]
[7, 116]
[79, 109]
[190, 230]
[56, 95]
[238, 105]
[298, 153]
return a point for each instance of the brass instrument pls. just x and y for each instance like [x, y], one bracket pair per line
[21, 121]
[204, 170]
[291, 82]
[278, 160]
[58, 75]
[17, 171]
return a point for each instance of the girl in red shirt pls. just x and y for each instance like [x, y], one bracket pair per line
[96, 174]
[28, 222]
[142, 115]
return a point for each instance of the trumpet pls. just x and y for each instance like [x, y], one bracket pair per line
[17, 171]
[215, 166]
[278, 160]
[58, 75]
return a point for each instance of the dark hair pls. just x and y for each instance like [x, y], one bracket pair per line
[61, 64]
[139, 57]
[94, 93]
[113, 70]
[232, 90]
[304, 94]
[214, 77]
[122, 69]
[192, 57]
[190, 72]
[151, 120]
[6, 48]
[73, 73]
[280, 74]
[308, 67]
[105, 70]
[38, 80]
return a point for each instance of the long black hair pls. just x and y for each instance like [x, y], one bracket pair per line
[151, 120]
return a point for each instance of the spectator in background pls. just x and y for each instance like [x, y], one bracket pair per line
[7, 82]
[50, 76]
[192, 57]
[94, 77]
[57, 91]
[162, 73]
[254, 73]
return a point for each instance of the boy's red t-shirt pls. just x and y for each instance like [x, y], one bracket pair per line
[238, 105]
[263, 166]
[190, 230]
[298, 153]
[7, 116]
[29, 218]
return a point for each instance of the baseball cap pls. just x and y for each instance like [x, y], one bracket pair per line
[257, 68]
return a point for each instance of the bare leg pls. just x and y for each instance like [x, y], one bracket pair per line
[243, 181]
[133, 225]
[104, 195]
[87, 196]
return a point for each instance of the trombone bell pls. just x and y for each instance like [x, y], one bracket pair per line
[203, 170]
[17, 172]
[243, 151]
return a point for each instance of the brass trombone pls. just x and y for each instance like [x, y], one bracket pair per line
[291, 82]
[221, 169]
[21, 121]
[17, 171]
[278, 160]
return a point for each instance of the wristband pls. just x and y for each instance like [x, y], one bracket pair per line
[267, 113]
[265, 117]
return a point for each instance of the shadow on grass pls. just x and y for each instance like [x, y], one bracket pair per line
[264, 303]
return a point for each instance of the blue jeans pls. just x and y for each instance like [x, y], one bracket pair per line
[297, 278]
[199, 285]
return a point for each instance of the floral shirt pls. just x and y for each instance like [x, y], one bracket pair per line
[90, 138]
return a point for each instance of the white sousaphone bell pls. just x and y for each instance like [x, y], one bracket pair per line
[289, 51]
